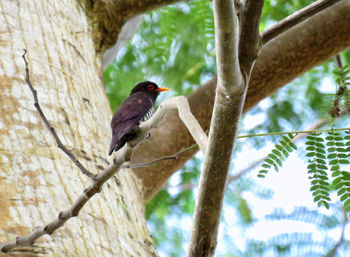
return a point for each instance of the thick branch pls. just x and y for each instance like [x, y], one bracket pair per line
[228, 106]
[131, 8]
[249, 41]
[108, 17]
[281, 60]
[295, 19]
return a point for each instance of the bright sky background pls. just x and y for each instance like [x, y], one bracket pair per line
[291, 189]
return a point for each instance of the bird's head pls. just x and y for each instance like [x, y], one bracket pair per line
[148, 87]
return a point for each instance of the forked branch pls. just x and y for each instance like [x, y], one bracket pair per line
[233, 76]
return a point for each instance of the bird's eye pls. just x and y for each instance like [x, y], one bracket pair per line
[150, 87]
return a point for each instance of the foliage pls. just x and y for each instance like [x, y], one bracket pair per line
[338, 153]
[338, 156]
[278, 155]
[317, 169]
[175, 47]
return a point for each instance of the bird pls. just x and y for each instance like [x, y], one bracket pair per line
[136, 108]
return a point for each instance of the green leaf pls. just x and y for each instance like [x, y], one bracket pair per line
[319, 139]
[311, 154]
[272, 156]
[319, 145]
[319, 155]
[310, 148]
[339, 144]
[320, 150]
[279, 162]
[322, 167]
[341, 161]
[344, 197]
[336, 173]
[293, 145]
[321, 161]
[332, 156]
[269, 161]
[331, 149]
[277, 153]
[279, 147]
[333, 162]
[311, 166]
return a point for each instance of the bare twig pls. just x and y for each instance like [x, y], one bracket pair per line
[295, 19]
[74, 210]
[163, 158]
[48, 124]
[228, 106]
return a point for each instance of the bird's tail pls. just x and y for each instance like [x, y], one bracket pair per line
[115, 145]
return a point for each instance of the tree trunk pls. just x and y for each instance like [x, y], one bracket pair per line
[37, 180]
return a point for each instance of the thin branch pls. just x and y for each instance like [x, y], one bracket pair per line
[294, 19]
[296, 131]
[338, 61]
[48, 124]
[163, 158]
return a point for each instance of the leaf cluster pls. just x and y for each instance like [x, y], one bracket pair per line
[317, 169]
[278, 155]
[342, 96]
[338, 148]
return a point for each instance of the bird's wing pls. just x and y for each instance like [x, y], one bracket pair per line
[130, 112]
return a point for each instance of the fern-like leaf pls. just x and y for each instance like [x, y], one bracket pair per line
[317, 169]
[278, 155]
[338, 155]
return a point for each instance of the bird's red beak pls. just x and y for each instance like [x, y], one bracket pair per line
[161, 89]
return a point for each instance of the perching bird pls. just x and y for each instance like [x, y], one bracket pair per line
[136, 108]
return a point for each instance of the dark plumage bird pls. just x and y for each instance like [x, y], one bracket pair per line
[136, 108]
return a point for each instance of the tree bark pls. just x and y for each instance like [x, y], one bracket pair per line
[37, 180]
[281, 60]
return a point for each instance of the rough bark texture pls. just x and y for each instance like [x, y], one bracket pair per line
[281, 60]
[36, 179]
